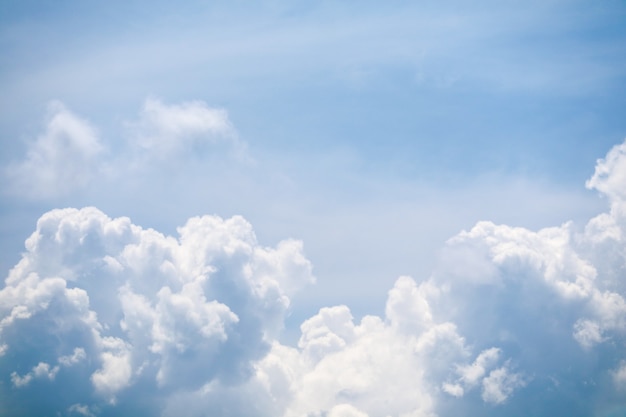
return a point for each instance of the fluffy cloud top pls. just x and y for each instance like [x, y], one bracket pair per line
[512, 321]
[509, 314]
[610, 174]
[141, 307]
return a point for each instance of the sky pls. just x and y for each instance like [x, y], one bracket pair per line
[320, 209]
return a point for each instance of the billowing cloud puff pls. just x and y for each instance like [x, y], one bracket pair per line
[110, 307]
[399, 365]
[610, 174]
[511, 322]
[63, 158]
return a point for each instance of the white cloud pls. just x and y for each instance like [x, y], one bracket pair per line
[63, 159]
[127, 305]
[377, 367]
[610, 174]
[619, 376]
[41, 370]
[407, 306]
[345, 410]
[77, 356]
[115, 371]
[69, 154]
[193, 320]
[551, 266]
[587, 333]
[455, 390]
[80, 409]
[533, 301]
[167, 132]
[500, 384]
[472, 374]
[329, 331]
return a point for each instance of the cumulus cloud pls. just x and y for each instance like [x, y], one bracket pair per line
[619, 376]
[511, 321]
[69, 154]
[610, 174]
[470, 375]
[163, 130]
[125, 307]
[374, 366]
[499, 385]
[508, 313]
[398, 365]
[44, 370]
[41, 370]
[345, 410]
[80, 409]
[62, 159]
[77, 356]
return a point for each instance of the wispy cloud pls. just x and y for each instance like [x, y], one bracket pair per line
[62, 159]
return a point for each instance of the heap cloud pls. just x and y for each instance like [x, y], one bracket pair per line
[103, 302]
[509, 315]
[70, 154]
[102, 317]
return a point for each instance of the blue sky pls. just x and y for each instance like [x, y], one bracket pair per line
[378, 136]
